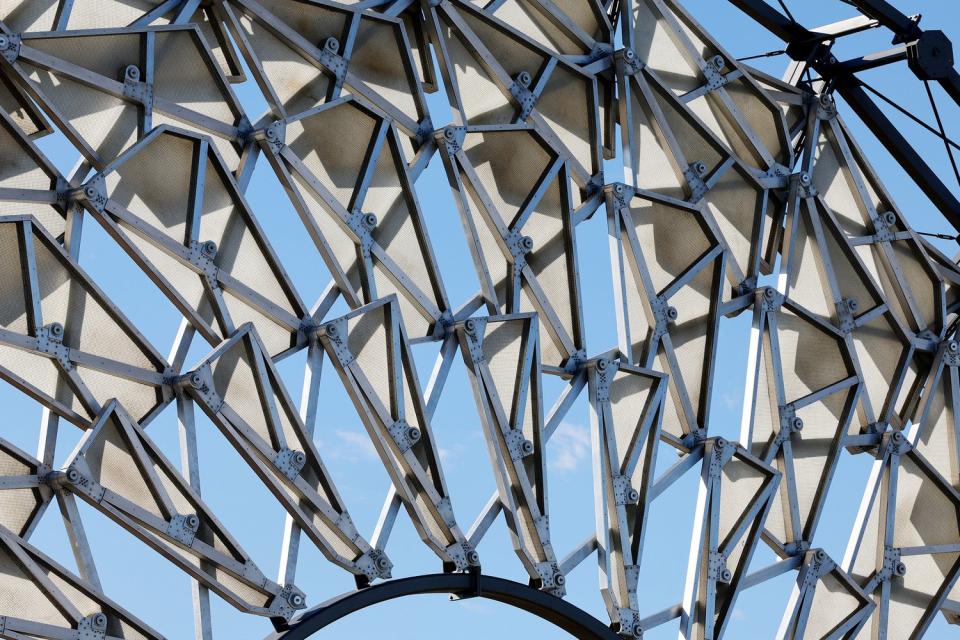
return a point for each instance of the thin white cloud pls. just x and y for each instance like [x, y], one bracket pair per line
[569, 446]
[353, 446]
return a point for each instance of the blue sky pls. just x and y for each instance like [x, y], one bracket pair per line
[150, 587]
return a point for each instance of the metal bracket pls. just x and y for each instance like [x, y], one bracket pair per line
[520, 91]
[770, 299]
[517, 445]
[92, 627]
[895, 443]
[804, 182]
[451, 138]
[776, 177]
[893, 566]
[629, 622]
[10, 47]
[694, 174]
[335, 332]
[183, 528]
[621, 195]
[362, 225]
[604, 370]
[375, 564]
[76, 478]
[551, 578]
[94, 193]
[885, 227]
[331, 59]
[289, 600]
[519, 246]
[135, 89]
[462, 555]
[846, 313]
[717, 567]
[275, 135]
[289, 462]
[445, 509]
[202, 255]
[790, 423]
[713, 72]
[50, 341]
[404, 435]
[201, 381]
[951, 353]
[631, 62]
[664, 315]
[623, 491]
[826, 106]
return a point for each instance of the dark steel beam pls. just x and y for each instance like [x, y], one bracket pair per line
[775, 22]
[544, 605]
[901, 150]
[888, 15]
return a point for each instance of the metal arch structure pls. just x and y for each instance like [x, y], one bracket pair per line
[742, 195]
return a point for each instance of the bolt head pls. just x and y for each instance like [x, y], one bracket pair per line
[56, 329]
[954, 346]
[853, 305]
[132, 72]
[73, 475]
[718, 62]
[382, 563]
[890, 218]
[450, 134]
[897, 436]
[821, 555]
[672, 313]
[370, 220]
[99, 621]
[602, 364]
[470, 325]
[527, 243]
[90, 191]
[295, 600]
[413, 434]
[700, 167]
[633, 495]
[330, 329]
[805, 179]
[473, 557]
[826, 100]
[901, 569]
[299, 457]
[271, 134]
[193, 521]
[726, 575]
[332, 44]
[720, 443]
[769, 293]
[637, 631]
[797, 423]
[527, 447]
[618, 189]
[4, 42]
[196, 380]
[524, 78]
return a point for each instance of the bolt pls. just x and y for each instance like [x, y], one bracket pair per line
[209, 248]
[4, 42]
[726, 575]
[413, 434]
[769, 294]
[953, 346]
[99, 621]
[193, 521]
[299, 458]
[700, 167]
[295, 600]
[618, 189]
[797, 423]
[196, 380]
[720, 443]
[470, 325]
[473, 557]
[527, 243]
[821, 555]
[826, 100]
[602, 364]
[805, 179]
[637, 631]
[524, 78]
[526, 447]
[672, 313]
[332, 44]
[897, 436]
[450, 134]
[370, 220]
[133, 73]
[718, 62]
[629, 55]
[382, 563]
[90, 191]
[890, 218]
[330, 329]
[633, 495]
[853, 305]
[73, 475]
[56, 329]
[901, 569]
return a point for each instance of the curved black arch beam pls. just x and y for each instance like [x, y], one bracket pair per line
[543, 605]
